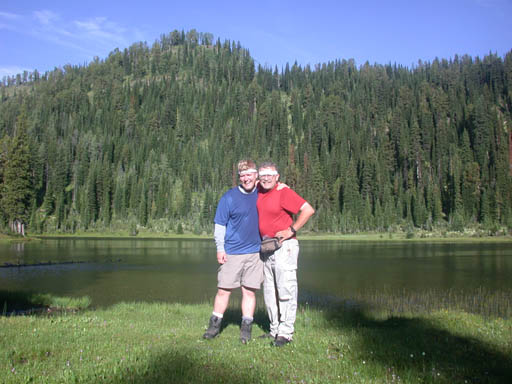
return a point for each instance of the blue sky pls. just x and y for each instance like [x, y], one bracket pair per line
[44, 35]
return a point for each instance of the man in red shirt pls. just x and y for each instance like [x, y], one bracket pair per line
[275, 210]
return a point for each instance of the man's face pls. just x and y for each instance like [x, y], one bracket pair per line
[268, 177]
[248, 180]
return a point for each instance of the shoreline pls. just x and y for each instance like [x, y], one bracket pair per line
[422, 237]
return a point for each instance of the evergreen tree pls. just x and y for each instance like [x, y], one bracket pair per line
[16, 187]
[148, 137]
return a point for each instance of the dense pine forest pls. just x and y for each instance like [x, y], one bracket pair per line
[148, 138]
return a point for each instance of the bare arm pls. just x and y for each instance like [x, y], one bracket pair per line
[306, 211]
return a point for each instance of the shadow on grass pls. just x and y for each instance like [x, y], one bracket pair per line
[418, 348]
[13, 303]
[189, 367]
[199, 364]
[234, 317]
[16, 302]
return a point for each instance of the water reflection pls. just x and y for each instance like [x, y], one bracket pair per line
[337, 268]
[114, 270]
[18, 248]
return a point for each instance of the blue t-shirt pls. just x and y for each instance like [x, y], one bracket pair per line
[238, 213]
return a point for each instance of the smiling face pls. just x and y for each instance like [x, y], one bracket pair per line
[248, 180]
[247, 174]
[268, 177]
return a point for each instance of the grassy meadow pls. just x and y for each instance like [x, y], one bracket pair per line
[366, 337]
[362, 340]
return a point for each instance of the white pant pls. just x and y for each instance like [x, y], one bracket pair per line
[280, 288]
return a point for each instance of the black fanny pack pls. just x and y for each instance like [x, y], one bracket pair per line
[270, 245]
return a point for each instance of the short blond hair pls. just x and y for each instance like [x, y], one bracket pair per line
[246, 164]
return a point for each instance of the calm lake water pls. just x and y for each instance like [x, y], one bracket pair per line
[115, 270]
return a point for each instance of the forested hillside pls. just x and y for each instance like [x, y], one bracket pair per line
[149, 137]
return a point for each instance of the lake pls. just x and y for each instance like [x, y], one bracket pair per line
[184, 270]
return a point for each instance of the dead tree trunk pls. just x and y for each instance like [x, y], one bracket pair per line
[18, 227]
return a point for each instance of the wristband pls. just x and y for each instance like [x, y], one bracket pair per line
[293, 230]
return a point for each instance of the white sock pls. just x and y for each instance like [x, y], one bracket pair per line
[219, 315]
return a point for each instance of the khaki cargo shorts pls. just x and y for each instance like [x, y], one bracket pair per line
[241, 270]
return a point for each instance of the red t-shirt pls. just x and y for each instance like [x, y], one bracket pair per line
[275, 209]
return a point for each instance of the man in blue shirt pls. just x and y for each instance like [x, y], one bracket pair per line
[238, 244]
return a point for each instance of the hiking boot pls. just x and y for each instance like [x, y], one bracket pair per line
[280, 341]
[245, 331]
[213, 328]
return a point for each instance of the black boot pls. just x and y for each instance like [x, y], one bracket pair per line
[213, 328]
[245, 331]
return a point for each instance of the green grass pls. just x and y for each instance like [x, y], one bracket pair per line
[419, 236]
[469, 235]
[28, 302]
[4, 238]
[345, 341]
[386, 302]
